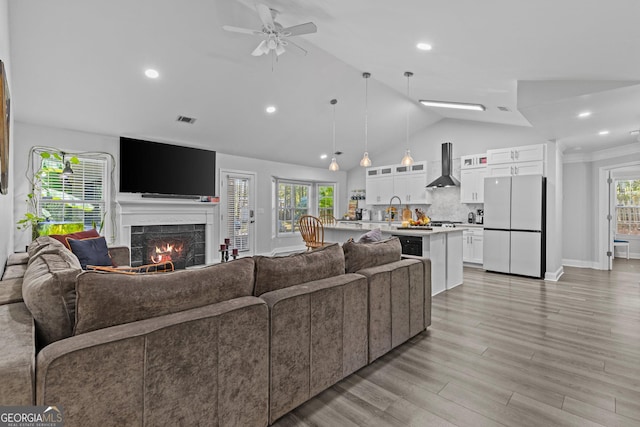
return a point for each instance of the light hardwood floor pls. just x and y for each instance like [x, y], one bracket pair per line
[504, 350]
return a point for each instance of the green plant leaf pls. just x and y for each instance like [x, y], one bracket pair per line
[57, 156]
[45, 155]
[74, 160]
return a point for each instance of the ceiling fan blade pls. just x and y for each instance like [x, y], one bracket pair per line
[298, 30]
[265, 16]
[241, 30]
[260, 49]
[298, 46]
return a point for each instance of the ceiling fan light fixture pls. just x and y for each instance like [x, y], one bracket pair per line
[454, 105]
[280, 50]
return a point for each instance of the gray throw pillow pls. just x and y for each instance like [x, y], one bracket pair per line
[374, 235]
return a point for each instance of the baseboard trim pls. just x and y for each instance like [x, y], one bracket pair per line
[580, 263]
[554, 276]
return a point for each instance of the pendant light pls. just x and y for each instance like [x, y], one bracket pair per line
[67, 167]
[407, 160]
[333, 167]
[366, 161]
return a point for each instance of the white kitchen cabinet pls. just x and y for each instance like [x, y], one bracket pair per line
[526, 153]
[473, 161]
[517, 168]
[410, 184]
[472, 185]
[472, 246]
[407, 182]
[379, 185]
[525, 160]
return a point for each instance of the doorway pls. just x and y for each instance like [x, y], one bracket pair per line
[237, 210]
[620, 237]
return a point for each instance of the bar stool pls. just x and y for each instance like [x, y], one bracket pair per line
[621, 243]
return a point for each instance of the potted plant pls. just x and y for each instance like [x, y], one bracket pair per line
[33, 218]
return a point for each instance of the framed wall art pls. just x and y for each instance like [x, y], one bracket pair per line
[5, 114]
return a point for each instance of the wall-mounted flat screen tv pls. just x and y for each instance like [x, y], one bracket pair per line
[165, 169]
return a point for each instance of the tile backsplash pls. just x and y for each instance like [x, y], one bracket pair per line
[446, 205]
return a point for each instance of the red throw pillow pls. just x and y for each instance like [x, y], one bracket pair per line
[80, 235]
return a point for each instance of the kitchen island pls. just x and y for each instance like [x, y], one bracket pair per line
[443, 246]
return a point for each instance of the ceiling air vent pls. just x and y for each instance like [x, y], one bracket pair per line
[503, 109]
[185, 119]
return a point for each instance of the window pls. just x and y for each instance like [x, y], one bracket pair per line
[293, 202]
[628, 207]
[297, 198]
[77, 197]
[326, 200]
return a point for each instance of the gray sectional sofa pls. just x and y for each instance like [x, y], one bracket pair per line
[238, 343]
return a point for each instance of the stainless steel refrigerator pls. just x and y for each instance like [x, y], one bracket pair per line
[514, 224]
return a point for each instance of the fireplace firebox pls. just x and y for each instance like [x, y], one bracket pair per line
[183, 245]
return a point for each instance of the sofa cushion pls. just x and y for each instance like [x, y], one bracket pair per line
[43, 243]
[273, 273]
[91, 251]
[48, 289]
[108, 299]
[80, 235]
[364, 255]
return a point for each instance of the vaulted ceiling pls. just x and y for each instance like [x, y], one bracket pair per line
[79, 64]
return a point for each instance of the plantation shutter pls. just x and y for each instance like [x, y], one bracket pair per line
[238, 212]
[77, 197]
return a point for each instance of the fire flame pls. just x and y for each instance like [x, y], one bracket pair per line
[166, 253]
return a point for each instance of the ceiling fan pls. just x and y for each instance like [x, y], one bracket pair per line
[275, 36]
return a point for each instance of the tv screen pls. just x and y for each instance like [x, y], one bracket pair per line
[155, 168]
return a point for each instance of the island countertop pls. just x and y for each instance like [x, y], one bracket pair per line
[393, 229]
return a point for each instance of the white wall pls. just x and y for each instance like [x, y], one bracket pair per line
[578, 220]
[6, 201]
[265, 170]
[29, 135]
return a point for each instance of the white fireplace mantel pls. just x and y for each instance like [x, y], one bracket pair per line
[140, 212]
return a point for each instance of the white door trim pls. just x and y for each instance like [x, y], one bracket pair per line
[223, 203]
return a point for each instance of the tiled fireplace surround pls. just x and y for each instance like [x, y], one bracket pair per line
[138, 212]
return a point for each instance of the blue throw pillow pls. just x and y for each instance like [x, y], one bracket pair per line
[92, 251]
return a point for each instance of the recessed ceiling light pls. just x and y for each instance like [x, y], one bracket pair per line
[323, 156]
[424, 46]
[456, 105]
[634, 132]
[270, 109]
[603, 132]
[584, 114]
[151, 73]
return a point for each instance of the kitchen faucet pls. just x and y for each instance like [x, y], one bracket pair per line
[390, 205]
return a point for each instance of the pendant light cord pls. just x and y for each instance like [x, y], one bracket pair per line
[408, 74]
[366, 114]
[334, 102]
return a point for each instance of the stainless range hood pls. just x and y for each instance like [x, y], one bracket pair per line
[446, 179]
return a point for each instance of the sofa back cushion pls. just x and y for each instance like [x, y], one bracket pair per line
[48, 290]
[273, 273]
[358, 256]
[108, 299]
